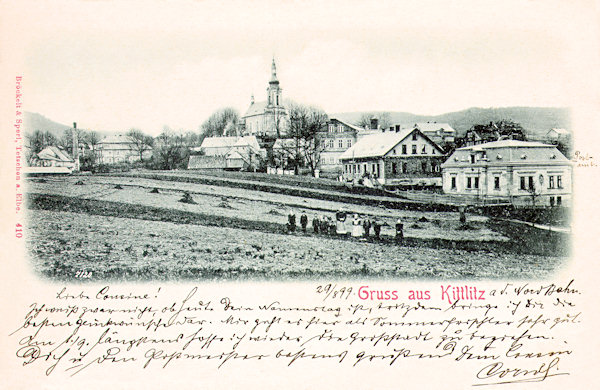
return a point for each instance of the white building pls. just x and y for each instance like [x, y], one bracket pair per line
[54, 156]
[121, 148]
[527, 173]
[406, 157]
[227, 153]
[267, 119]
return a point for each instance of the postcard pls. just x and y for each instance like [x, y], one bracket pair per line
[278, 194]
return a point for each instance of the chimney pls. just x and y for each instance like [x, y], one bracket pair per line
[374, 123]
[75, 147]
[398, 128]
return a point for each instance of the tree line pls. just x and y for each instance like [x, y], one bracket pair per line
[171, 149]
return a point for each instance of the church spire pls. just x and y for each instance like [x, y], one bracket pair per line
[274, 72]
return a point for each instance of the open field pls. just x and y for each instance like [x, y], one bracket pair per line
[113, 248]
[131, 228]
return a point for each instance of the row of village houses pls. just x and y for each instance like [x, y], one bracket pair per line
[397, 156]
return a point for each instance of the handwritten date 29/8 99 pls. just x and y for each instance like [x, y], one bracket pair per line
[332, 291]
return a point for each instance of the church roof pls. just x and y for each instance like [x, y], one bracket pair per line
[257, 108]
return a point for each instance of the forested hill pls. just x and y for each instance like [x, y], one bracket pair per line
[535, 120]
[34, 121]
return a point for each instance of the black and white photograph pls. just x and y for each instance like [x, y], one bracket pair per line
[231, 157]
[366, 154]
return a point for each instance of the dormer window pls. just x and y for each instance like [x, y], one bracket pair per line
[523, 157]
[553, 156]
[499, 157]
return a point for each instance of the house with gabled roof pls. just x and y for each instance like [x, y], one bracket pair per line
[53, 156]
[227, 153]
[555, 135]
[440, 133]
[524, 173]
[395, 158]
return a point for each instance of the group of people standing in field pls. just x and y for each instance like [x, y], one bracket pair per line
[360, 227]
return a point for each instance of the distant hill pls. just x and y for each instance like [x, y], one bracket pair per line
[34, 121]
[535, 120]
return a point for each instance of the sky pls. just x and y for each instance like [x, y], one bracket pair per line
[112, 66]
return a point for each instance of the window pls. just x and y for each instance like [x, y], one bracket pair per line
[393, 168]
[497, 182]
[349, 143]
[331, 127]
[404, 167]
[476, 182]
[331, 143]
[340, 143]
[523, 183]
[558, 200]
[403, 149]
[453, 183]
[414, 149]
[424, 151]
[414, 136]
[468, 182]
[341, 128]
[551, 184]
[472, 159]
[551, 201]
[558, 184]
[531, 184]
[424, 166]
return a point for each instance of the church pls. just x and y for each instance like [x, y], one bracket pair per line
[267, 119]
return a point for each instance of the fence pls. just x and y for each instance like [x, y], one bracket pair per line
[452, 199]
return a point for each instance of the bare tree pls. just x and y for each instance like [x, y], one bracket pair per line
[39, 140]
[223, 122]
[384, 119]
[365, 119]
[305, 123]
[172, 150]
[140, 142]
[93, 139]
[66, 141]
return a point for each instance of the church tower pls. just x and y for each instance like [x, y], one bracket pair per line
[274, 91]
